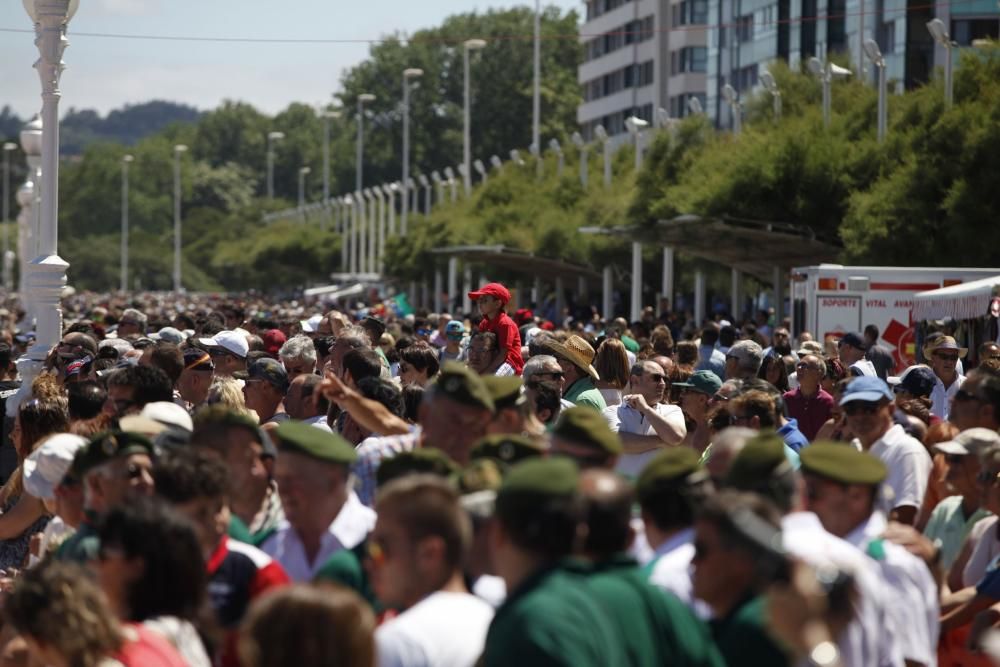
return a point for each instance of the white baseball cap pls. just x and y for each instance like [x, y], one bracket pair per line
[45, 467]
[231, 341]
[312, 324]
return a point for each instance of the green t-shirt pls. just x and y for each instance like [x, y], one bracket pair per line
[655, 627]
[551, 619]
[345, 568]
[631, 344]
[949, 524]
[743, 640]
[583, 392]
[80, 547]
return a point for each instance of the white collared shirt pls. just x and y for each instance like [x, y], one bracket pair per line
[871, 638]
[348, 530]
[909, 466]
[442, 630]
[625, 419]
[941, 397]
[319, 421]
[914, 593]
[671, 565]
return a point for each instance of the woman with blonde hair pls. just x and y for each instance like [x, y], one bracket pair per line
[226, 390]
[611, 364]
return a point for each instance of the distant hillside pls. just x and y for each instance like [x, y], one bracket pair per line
[82, 127]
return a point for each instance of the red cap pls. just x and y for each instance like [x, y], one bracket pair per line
[492, 289]
[548, 326]
[273, 340]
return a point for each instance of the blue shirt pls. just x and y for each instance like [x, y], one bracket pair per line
[792, 436]
[712, 360]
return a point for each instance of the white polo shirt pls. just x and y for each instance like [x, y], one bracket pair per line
[348, 530]
[909, 466]
[624, 419]
[442, 630]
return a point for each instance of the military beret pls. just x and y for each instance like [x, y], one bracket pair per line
[537, 478]
[586, 427]
[842, 463]
[221, 415]
[505, 390]
[671, 465]
[460, 384]
[107, 446]
[302, 438]
[756, 463]
[506, 447]
[481, 475]
[425, 460]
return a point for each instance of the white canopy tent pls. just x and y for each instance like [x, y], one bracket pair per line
[961, 302]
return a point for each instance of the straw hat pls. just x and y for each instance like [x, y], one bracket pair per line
[578, 352]
[944, 343]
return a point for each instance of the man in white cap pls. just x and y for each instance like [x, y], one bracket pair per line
[228, 350]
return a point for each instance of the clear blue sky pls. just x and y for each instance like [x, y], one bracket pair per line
[105, 73]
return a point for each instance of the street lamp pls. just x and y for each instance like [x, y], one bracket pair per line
[271, 138]
[7, 148]
[449, 174]
[733, 100]
[126, 161]
[303, 172]
[378, 242]
[28, 198]
[557, 149]
[438, 192]
[408, 75]
[533, 149]
[496, 162]
[346, 204]
[327, 117]
[635, 126]
[582, 147]
[412, 194]
[694, 106]
[367, 229]
[875, 55]
[941, 36]
[603, 137]
[515, 157]
[179, 150]
[390, 190]
[480, 169]
[826, 74]
[363, 99]
[771, 86]
[470, 45]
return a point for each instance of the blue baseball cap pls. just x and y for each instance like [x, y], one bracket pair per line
[454, 327]
[866, 388]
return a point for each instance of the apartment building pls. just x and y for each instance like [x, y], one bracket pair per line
[640, 56]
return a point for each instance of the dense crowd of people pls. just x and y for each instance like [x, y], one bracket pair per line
[222, 480]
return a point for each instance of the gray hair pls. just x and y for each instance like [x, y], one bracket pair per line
[137, 315]
[355, 335]
[749, 356]
[536, 365]
[298, 347]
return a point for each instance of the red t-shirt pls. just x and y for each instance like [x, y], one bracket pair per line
[145, 648]
[508, 337]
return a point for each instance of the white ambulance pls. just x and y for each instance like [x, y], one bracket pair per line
[832, 299]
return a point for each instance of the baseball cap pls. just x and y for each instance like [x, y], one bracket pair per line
[705, 382]
[169, 335]
[916, 380]
[454, 327]
[969, 441]
[842, 463]
[269, 370]
[866, 388]
[197, 360]
[854, 340]
[45, 467]
[273, 340]
[312, 324]
[231, 341]
[496, 290]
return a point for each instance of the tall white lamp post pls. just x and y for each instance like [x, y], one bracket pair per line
[481, 170]
[378, 247]
[47, 271]
[469, 45]
[736, 109]
[28, 198]
[8, 147]
[408, 75]
[449, 174]
[346, 205]
[605, 140]
[826, 73]
[328, 116]
[363, 99]
[438, 186]
[367, 232]
[271, 138]
[635, 126]
[303, 172]
[390, 190]
[771, 86]
[941, 36]
[875, 55]
[557, 149]
[179, 150]
[126, 161]
[426, 185]
[694, 106]
[582, 147]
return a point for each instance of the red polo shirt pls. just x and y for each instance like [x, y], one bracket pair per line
[508, 337]
[810, 411]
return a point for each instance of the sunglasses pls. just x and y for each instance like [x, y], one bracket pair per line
[559, 375]
[987, 477]
[946, 357]
[861, 407]
[658, 377]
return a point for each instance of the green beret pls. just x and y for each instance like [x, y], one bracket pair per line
[425, 460]
[302, 438]
[459, 383]
[481, 475]
[842, 463]
[538, 478]
[108, 446]
[507, 447]
[755, 464]
[586, 427]
[669, 466]
[504, 390]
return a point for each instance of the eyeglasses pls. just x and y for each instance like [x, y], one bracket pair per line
[987, 477]
[804, 366]
[946, 357]
[658, 377]
[558, 375]
[862, 407]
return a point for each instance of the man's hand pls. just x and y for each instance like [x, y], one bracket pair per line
[337, 321]
[913, 541]
[636, 402]
[336, 391]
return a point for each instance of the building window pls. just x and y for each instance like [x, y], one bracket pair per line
[744, 28]
[689, 59]
[965, 31]
[690, 12]
[678, 104]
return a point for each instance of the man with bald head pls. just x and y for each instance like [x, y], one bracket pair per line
[655, 629]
